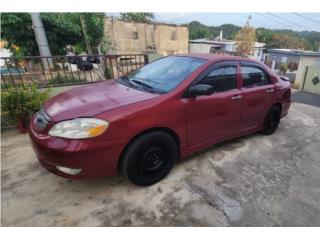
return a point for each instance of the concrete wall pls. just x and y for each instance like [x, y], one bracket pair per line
[312, 81]
[200, 48]
[132, 37]
[303, 63]
[231, 47]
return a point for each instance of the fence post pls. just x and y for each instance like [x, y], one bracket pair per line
[305, 76]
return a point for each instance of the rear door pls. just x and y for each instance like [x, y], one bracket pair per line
[210, 118]
[257, 93]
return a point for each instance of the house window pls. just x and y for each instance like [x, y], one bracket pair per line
[135, 35]
[173, 35]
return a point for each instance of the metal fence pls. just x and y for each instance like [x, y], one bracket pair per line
[67, 70]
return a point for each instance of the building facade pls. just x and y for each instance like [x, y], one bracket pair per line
[303, 67]
[223, 45]
[134, 38]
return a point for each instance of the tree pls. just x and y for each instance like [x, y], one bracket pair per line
[286, 40]
[62, 29]
[313, 38]
[246, 39]
[16, 29]
[137, 16]
[265, 36]
[229, 31]
[198, 30]
[94, 29]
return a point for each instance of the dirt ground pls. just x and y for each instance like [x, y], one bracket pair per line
[255, 180]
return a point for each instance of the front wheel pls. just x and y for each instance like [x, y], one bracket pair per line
[271, 121]
[149, 158]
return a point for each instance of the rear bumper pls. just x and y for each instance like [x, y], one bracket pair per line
[285, 108]
[95, 158]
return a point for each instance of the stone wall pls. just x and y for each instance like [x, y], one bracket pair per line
[132, 37]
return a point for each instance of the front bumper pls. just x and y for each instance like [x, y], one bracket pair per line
[95, 157]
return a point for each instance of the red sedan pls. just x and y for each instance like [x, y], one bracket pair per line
[140, 125]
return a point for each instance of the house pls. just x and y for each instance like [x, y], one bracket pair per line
[134, 37]
[219, 44]
[300, 65]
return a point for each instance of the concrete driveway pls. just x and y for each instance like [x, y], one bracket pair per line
[251, 181]
[306, 98]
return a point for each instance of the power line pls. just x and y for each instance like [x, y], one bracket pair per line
[317, 17]
[286, 20]
[302, 16]
[254, 20]
[269, 18]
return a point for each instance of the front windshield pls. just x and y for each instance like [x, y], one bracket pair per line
[166, 73]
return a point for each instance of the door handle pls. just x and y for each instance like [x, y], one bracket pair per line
[270, 90]
[236, 97]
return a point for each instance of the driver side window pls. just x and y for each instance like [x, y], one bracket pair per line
[222, 79]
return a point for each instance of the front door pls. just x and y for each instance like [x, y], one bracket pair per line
[210, 118]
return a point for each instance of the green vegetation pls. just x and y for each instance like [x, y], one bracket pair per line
[61, 80]
[108, 73]
[21, 103]
[284, 68]
[308, 40]
[137, 16]
[62, 29]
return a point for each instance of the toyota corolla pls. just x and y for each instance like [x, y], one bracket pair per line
[140, 125]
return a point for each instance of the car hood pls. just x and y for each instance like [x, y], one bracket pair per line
[92, 99]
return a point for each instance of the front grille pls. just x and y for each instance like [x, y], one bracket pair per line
[41, 120]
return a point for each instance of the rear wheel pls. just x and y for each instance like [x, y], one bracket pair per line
[271, 121]
[149, 158]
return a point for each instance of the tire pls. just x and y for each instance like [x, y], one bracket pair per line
[272, 120]
[149, 158]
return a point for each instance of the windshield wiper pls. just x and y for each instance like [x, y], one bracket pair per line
[145, 85]
[126, 81]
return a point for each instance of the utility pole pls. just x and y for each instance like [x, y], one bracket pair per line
[42, 41]
[84, 30]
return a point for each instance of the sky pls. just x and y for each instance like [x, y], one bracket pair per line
[293, 21]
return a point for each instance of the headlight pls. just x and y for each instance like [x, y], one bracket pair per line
[79, 128]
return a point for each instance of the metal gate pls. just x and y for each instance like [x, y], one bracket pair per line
[311, 82]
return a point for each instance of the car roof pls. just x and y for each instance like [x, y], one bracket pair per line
[215, 57]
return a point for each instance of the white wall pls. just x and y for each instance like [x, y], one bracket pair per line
[200, 48]
[303, 63]
[257, 54]
[229, 47]
[4, 52]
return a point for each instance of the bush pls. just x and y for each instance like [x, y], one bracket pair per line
[108, 73]
[21, 103]
[5, 86]
[284, 68]
[60, 80]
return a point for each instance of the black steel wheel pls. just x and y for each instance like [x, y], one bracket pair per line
[271, 121]
[149, 158]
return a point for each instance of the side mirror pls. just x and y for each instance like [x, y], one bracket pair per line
[200, 89]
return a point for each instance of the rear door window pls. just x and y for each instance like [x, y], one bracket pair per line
[254, 76]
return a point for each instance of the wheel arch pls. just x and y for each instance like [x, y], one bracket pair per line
[167, 130]
[277, 104]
